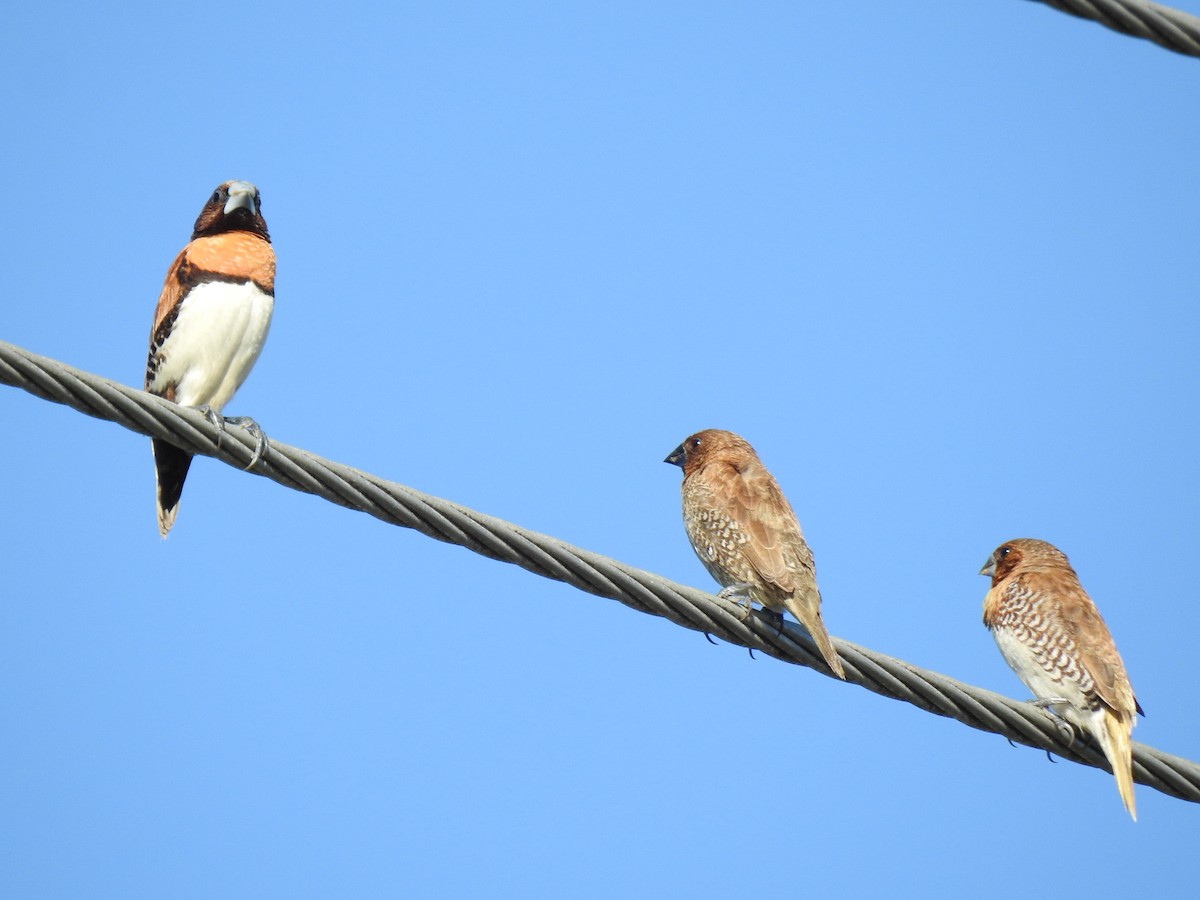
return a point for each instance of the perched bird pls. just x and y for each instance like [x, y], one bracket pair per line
[1053, 637]
[210, 324]
[744, 531]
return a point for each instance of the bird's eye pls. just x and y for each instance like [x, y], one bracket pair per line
[693, 443]
[1003, 552]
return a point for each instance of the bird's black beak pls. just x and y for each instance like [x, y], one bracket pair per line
[675, 457]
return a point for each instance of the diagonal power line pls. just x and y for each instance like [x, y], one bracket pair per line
[551, 558]
[1167, 27]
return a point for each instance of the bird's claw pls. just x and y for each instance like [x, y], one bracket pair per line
[775, 618]
[1047, 704]
[260, 439]
[1065, 729]
[740, 594]
[216, 420]
[1012, 744]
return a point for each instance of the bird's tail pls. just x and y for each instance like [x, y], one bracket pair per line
[170, 469]
[809, 615]
[1114, 741]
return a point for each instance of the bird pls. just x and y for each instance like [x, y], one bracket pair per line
[743, 529]
[1051, 634]
[210, 324]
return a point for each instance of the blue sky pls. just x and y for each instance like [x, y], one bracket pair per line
[935, 260]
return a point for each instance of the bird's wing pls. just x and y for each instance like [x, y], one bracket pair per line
[1095, 651]
[165, 312]
[776, 548]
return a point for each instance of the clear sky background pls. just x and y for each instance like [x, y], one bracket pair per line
[935, 260]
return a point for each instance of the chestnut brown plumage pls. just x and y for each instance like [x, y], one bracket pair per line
[210, 323]
[744, 531]
[1051, 633]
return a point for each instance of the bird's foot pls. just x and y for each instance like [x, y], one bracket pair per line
[1064, 727]
[1049, 702]
[215, 419]
[776, 618]
[260, 439]
[740, 594]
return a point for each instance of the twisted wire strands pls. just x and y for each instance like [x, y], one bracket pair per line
[1171, 28]
[587, 571]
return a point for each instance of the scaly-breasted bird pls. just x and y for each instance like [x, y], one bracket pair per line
[1053, 637]
[211, 322]
[744, 531]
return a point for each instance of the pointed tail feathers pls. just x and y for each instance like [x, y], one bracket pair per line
[810, 618]
[170, 469]
[1113, 734]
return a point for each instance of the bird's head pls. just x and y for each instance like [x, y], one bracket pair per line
[1010, 554]
[704, 446]
[233, 206]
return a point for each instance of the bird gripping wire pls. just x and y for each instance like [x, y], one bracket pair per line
[551, 558]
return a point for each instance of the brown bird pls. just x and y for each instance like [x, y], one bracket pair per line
[1053, 637]
[744, 531]
[210, 324]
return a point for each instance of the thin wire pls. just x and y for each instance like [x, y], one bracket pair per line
[551, 558]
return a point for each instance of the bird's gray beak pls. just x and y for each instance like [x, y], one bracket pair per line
[675, 457]
[241, 196]
[989, 568]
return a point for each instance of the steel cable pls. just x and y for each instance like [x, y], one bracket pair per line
[1167, 27]
[551, 558]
